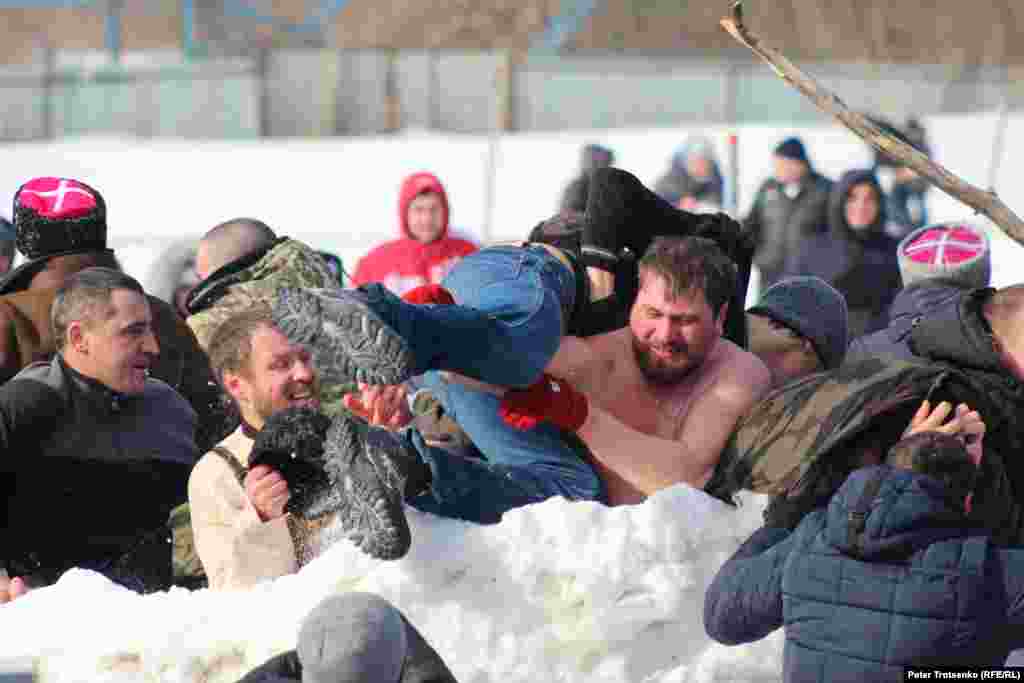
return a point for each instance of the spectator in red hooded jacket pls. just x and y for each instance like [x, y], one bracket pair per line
[424, 253]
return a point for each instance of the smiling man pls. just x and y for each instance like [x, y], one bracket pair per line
[242, 533]
[97, 450]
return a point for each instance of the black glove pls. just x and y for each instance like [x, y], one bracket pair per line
[291, 442]
[787, 513]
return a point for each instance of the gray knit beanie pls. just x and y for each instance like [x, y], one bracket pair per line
[352, 638]
[956, 250]
[814, 309]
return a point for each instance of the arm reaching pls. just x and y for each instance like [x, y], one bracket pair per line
[577, 362]
[744, 601]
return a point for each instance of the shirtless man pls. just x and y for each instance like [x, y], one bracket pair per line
[662, 395]
[659, 397]
[513, 306]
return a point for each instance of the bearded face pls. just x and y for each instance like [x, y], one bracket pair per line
[672, 335]
[280, 375]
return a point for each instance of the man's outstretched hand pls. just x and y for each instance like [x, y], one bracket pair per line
[12, 589]
[547, 400]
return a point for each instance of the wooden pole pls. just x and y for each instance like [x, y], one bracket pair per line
[985, 202]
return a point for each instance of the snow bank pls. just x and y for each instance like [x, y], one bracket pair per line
[557, 592]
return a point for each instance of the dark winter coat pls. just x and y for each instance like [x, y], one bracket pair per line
[861, 264]
[802, 440]
[911, 305]
[95, 475]
[958, 336]
[28, 338]
[919, 586]
[780, 226]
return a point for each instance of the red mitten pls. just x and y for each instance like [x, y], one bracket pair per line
[548, 399]
[429, 294]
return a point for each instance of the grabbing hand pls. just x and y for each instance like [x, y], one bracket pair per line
[383, 406]
[12, 589]
[268, 492]
[548, 399]
[966, 424]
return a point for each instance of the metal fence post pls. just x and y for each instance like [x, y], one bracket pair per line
[262, 71]
[49, 76]
[731, 85]
[392, 100]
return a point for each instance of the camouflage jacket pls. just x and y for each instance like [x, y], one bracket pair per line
[802, 440]
[255, 280]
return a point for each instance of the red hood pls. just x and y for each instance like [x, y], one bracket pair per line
[414, 186]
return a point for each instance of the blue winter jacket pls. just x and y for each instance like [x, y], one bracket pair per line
[911, 305]
[926, 589]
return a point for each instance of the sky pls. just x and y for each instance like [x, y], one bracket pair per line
[568, 592]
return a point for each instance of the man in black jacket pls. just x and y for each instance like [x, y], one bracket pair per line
[789, 207]
[98, 451]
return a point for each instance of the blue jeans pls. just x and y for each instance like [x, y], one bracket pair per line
[517, 467]
[505, 329]
[508, 321]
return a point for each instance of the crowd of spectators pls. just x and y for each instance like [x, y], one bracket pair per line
[266, 408]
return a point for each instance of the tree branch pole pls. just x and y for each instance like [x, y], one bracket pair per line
[981, 201]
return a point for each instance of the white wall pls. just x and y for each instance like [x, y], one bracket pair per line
[341, 193]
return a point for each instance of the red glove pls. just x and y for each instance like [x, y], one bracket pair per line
[429, 294]
[550, 399]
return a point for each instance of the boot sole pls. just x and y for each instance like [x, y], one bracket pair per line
[353, 343]
[372, 514]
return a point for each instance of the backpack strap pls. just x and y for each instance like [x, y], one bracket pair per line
[232, 462]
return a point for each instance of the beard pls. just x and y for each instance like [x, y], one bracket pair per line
[265, 405]
[664, 371]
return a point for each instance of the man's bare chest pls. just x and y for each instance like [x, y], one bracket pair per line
[637, 408]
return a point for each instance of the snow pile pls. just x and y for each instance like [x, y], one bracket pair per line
[557, 592]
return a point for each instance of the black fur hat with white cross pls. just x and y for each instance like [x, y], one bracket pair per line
[54, 217]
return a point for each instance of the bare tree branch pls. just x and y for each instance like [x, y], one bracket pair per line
[980, 200]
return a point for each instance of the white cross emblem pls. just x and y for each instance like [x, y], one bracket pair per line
[941, 244]
[63, 189]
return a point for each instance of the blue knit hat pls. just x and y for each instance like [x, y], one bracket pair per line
[814, 309]
[792, 148]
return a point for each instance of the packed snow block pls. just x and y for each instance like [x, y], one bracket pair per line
[558, 591]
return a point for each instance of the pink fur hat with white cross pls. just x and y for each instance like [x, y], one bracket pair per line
[956, 251]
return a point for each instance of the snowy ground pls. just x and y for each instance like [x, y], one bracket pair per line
[557, 591]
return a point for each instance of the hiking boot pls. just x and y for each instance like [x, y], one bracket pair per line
[349, 340]
[372, 471]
